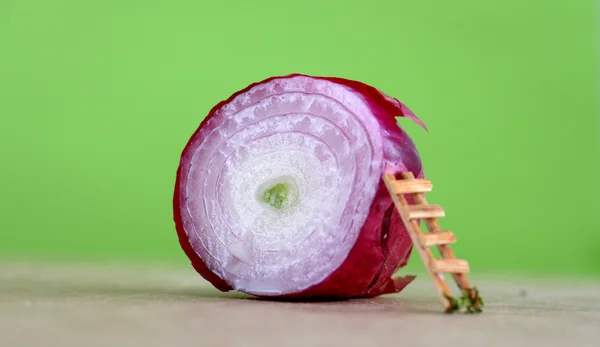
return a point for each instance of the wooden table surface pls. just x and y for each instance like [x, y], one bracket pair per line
[89, 305]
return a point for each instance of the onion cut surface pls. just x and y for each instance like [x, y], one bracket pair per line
[279, 190]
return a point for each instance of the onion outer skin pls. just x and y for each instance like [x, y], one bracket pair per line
[383, 245]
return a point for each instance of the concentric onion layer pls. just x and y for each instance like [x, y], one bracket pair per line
[322, 144]
[317, 137]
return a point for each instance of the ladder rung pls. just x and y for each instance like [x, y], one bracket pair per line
[451, 266]
[434, 239]
[424, 211]
[411, 186]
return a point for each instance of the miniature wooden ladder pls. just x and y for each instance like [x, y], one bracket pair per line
[410, 214]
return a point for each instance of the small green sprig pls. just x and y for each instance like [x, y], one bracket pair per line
[470, 301]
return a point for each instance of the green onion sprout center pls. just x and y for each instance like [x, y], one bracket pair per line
[276, 195]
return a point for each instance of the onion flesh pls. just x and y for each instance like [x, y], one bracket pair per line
[279, 190]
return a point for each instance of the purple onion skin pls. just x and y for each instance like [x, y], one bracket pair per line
[383, 245]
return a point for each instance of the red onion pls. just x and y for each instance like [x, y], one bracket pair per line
[279, 191]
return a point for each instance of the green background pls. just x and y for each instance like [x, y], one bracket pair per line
[98, 98]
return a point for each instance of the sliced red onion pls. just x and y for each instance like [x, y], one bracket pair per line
[279, 191]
